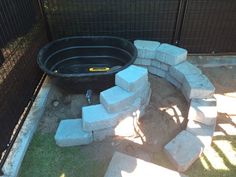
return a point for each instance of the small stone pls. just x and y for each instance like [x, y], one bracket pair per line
[55, 103]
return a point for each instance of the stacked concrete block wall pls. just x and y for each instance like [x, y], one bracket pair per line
[117, 114]
[170, 62]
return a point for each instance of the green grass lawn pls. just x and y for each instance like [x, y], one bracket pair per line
[45, 158]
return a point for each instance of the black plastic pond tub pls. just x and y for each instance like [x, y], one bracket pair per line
[77, 64]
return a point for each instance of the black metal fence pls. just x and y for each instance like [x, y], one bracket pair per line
[209, 26]
[21, 36]
[132, 19]
[201, 26]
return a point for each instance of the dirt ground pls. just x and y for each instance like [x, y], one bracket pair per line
[164, 117]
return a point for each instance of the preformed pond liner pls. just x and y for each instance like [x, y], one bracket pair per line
[78, 63]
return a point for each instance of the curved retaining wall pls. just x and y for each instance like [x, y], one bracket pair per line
[169, 62]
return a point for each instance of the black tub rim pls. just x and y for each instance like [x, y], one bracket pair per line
[47, 71]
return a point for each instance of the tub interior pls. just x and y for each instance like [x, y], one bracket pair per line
[80, 55]
[76, 60]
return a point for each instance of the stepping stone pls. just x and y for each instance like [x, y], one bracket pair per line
[122, 165]
[146, 49]
[173, 81]
[203, 111]
[170, 54]
[203, 132]
[70, 133]
[157, 71]
[96, 117]
[197, 86]
[131, 78]
[143, 61]
[115, 99]
[183, 150]
[183, 69]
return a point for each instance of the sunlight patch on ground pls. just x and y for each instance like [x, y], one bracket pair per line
[204, 162]
[63, 175]
[214, 159]
[226, 147]
[231, 94]
[228, 128]
[174, 112]
[219, 133]
[226, 104]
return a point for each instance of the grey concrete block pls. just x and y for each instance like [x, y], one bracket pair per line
[156, 63]
[131, 78]
[197, 86]
[170, 54]
[125, 123]
[146, 49]
[144, 93]
[157, 71]
[173, 81]
[164, 66]
[203, 110]
[145, 103]
[115, 99]
[100, 135]
[125, 128]
[70, 133]
[183, 150]
[143, 61]
[96, 117]
[203, 132]
[138, 61]
[128, 166]
[183, 69]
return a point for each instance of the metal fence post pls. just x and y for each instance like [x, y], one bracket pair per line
[179, 21]
[2, 59]
[45, 20]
